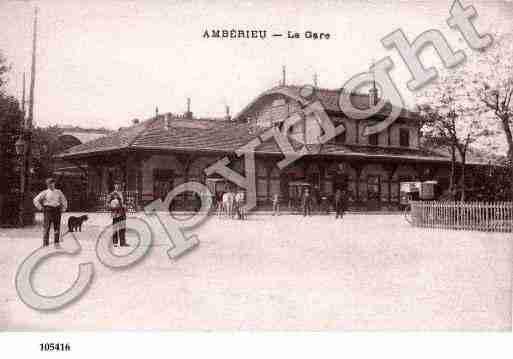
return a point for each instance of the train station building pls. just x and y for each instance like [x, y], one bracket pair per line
[153, 156]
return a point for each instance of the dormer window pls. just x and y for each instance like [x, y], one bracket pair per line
[373, 139]
[404, 137]
[279, 102]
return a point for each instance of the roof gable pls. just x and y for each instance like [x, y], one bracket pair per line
[329, 98]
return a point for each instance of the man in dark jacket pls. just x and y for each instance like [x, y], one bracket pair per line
[307, 202]
[340, 203]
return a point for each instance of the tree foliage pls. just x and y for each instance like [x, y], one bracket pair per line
[452, 119]
[493, 83]
[10, 129]
[472, 105]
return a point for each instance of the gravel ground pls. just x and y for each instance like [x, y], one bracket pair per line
[366, 272]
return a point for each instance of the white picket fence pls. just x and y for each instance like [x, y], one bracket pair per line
[474, 216]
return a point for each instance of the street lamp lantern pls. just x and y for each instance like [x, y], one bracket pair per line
[20, 146]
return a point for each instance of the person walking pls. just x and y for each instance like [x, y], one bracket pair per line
[231, 203]
[338, 203]
[307, 202]
[52, 202]
[325, 205]
[118, 213]
[219, 202]
[240, 199]
[276, 204]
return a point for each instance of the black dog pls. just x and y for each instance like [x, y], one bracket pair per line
[75, 223]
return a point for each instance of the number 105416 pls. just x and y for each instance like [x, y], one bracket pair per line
[55, 347]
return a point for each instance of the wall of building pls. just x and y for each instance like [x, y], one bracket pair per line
[180, 174]
[277, 108]
[167, 162]
[365, 180]
[272, 109]
[413, 131]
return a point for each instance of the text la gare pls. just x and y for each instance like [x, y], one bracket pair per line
[308, 35]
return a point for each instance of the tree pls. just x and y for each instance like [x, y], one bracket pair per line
[493, 82]
[11, 118]
[46, 145]
[452, 120]
[4, 69]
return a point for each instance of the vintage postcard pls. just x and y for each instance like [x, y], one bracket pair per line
[256, 166]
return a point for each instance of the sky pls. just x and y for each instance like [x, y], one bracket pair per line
[104, 63]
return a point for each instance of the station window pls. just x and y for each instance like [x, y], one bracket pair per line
[404, 137]
[373, 139]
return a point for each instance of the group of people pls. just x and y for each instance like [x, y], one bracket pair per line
[231, 204]
[53, 203]
[339, 203]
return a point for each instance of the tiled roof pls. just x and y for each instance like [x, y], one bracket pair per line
[84, 136]
[221, 137]
[116, 140]
[329, 98]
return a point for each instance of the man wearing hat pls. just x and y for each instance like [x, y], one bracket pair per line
[52, 202]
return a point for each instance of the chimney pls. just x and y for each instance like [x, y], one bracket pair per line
[315, 80]
[188, 113]
[168, 117]
[135, 121]
[227, 116]
[283, 76]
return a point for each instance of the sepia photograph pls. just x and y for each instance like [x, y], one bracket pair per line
[256, 166]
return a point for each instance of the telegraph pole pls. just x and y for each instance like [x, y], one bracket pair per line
[27, 131]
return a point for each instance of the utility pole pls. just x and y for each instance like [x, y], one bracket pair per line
[23, 100]
[27, 132]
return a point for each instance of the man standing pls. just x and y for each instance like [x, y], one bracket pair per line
[52, 202]
[307, 202]
[117, 210]
[276, 204]
[239, 203]
[340, 203]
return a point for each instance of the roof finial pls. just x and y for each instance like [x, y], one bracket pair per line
[373, 74]
[315, 80]
[227, 116]
[188, 113]
[156, 112]
[373, 91]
